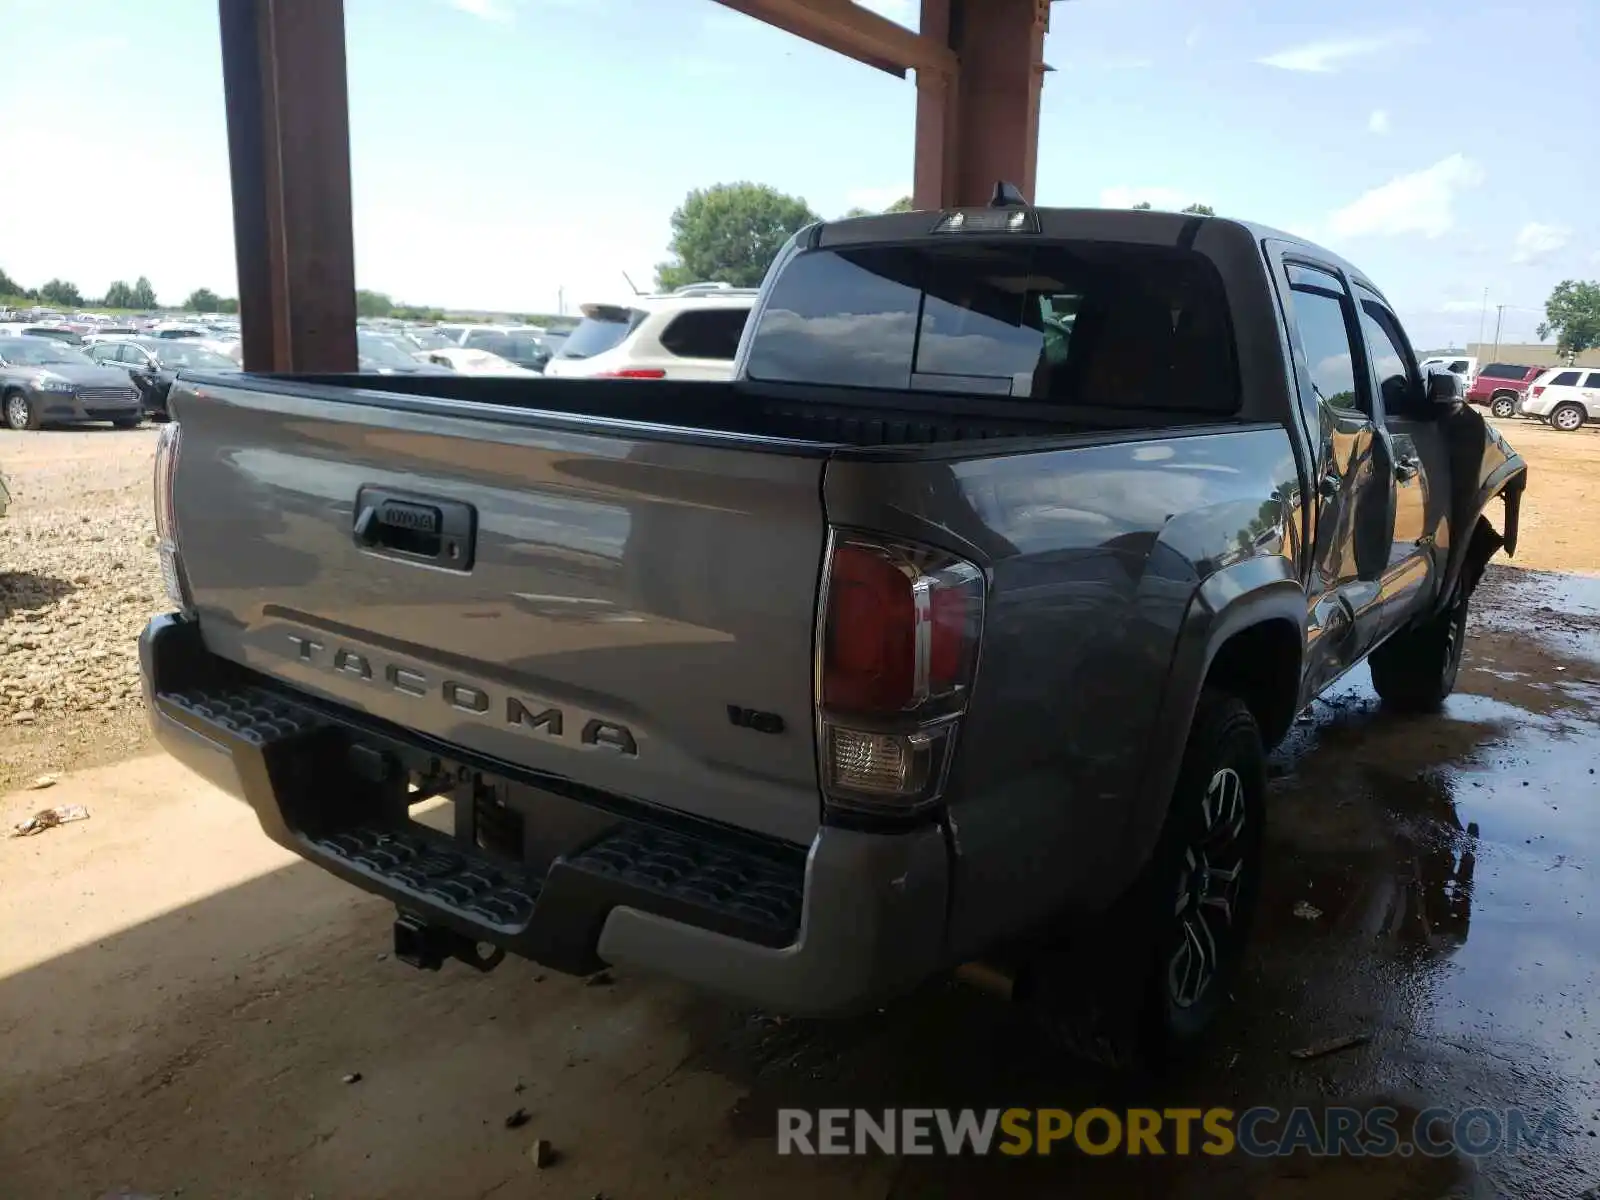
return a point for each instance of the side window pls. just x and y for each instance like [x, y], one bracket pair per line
[1321, 315]
[1593, 380]
[103, 352]
[709, 333]
[1565, 379]
[1458, 367]
[480, 339]
[1399, 386]
[132, 354]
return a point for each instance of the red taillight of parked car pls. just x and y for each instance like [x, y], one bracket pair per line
[634, 373]
[1536, 391]
[898, 651]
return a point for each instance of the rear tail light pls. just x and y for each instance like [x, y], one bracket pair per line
[1537, 391]
[634, 373]
[172, 574]
[897, 651]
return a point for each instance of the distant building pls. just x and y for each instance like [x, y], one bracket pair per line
[1528, 354]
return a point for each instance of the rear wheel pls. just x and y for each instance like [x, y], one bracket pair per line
[1416, 670]
[20, 414]
[1138, 986]
[1503, 405]
[1568, 416]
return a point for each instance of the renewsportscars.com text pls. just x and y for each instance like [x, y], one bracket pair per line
[1258, 1132]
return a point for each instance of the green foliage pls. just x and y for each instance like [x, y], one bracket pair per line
[61, 294]
[851, 214]
[1142, 206]
[372, 304]
[144, 296]
[203, 300]
[119, 295]
[904, 204]
[729, 233]
[1573, 314]
[1201, 210]
[9, 286]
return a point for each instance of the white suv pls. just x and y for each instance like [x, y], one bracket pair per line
[1567, 397]
[692, 333]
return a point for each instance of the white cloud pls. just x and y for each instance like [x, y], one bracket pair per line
[1165, 198]
[1536, 241]
[876, 199]
[1378, 122]
[488, 10]
[1326, 56]
[1193, 39]
[1422, 202]
[1462, 306]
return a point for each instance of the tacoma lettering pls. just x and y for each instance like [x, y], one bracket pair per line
[525, 713]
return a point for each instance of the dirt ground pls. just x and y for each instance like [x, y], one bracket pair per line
[181, 1002]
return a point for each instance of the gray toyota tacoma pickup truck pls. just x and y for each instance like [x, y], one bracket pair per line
[953, 631]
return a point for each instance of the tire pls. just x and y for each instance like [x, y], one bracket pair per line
[20, 413]
[1503, 405]
[128, 422]
[1416, 670]
[1568, 417]
[1136, 988]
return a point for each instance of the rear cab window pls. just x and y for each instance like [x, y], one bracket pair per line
[1079, 324]
[604, 326]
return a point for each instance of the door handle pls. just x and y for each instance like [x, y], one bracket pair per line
[1328, 486]
[1407, 468]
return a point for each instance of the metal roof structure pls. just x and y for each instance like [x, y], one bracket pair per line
[979, 66]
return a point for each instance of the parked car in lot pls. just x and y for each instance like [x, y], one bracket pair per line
[932, 636]
[153, 363]
[462, 361]
[687, 335]
[1499, 386]
[1463, 365]
[1566, 397]
[59, 333]
[522, 346]
[44, 381]
[385, 354]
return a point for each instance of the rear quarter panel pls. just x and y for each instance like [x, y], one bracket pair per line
[1094, 556]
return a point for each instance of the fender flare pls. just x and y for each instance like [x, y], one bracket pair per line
[1228, 602]
[1470, 552]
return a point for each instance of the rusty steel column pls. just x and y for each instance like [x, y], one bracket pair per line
[982, 124]
[283, 70]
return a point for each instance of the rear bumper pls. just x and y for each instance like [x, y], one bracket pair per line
[842, 926]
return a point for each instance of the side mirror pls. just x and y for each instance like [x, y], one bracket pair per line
[1445, 390]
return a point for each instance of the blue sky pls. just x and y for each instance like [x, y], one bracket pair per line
[505, 150]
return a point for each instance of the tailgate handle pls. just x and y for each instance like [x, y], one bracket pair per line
[419, 529]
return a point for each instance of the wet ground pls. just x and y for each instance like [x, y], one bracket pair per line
[198, 1032]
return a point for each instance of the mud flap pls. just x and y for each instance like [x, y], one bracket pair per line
[1485, 542]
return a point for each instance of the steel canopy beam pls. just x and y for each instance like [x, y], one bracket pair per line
[283, 72]
[856, 32]
[980, 124]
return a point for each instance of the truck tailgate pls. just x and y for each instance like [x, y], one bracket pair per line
[633, 613]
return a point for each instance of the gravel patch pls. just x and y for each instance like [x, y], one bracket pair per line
[78, 580]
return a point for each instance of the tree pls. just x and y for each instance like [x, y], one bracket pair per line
[1201, 210]
[61, 294]
[227, 305]
[119, 295]
[9, 286]
[904, 204]
[372, 304]
[203, 300]
[144, 296]
[729, 233]
[1573, 314]
[1142, 206]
